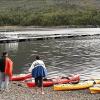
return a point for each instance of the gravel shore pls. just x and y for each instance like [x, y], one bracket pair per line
[19, 91]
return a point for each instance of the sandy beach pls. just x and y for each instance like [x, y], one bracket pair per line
[19, 91]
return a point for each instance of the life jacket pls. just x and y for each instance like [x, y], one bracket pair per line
[8, 67]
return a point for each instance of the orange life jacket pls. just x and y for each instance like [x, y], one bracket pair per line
[8, 67]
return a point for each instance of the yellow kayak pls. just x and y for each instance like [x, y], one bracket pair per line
[97, 81]
[81, 85]
[95, 88]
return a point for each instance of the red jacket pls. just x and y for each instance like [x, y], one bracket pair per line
[8, 67]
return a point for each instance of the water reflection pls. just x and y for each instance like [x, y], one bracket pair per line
[11, 46]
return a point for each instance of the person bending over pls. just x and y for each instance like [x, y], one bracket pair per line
[38, 71]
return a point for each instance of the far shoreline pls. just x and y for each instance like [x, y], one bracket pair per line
[30, 28]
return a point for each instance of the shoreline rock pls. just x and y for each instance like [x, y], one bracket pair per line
[19, 91]
[43, 33]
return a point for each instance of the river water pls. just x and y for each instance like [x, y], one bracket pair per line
[63, 56]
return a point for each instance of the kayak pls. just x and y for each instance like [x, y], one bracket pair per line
[21, 77]
[69, 79]
[97, 81]
[80, 85]
[50, 82]
[95, 88]
[45, 84]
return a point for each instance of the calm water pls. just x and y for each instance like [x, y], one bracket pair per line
[62, 56]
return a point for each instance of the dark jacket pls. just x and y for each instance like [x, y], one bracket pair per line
[39, 71]
[2, 64]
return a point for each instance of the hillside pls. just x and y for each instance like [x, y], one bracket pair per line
[43, 4]
[16, 12]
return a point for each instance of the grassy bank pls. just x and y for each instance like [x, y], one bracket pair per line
[49, 12]
[49, 18]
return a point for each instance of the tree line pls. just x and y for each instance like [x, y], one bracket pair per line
[49, 17]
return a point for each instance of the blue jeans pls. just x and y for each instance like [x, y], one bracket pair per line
[4, 81]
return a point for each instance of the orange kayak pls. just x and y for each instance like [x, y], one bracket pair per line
[21, 77]
[50, 82]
